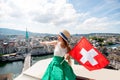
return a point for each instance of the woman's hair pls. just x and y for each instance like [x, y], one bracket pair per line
[66, 43]
[68, 49]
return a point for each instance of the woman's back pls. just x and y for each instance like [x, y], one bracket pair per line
[59, 51]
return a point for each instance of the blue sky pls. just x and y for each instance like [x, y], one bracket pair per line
[51, 16]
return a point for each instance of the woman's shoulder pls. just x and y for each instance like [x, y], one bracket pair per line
[62, 45]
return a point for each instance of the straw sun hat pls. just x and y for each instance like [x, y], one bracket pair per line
[65, 35]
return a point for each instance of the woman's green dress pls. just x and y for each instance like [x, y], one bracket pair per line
[58, 71]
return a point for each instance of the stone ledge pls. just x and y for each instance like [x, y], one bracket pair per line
[37, 70]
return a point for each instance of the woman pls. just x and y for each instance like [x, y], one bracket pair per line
[59, 69]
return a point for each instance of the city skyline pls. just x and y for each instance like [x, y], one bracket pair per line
[50, 16]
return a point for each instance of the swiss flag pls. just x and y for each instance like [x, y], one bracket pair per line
[85, 54]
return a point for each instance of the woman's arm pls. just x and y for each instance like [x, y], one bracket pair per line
[49, 43]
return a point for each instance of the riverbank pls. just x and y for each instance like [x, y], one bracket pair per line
[11, 57]
[16, 67]
[19, 57]
[113, 46]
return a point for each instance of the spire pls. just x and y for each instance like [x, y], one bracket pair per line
[27, 35]
[27, 41]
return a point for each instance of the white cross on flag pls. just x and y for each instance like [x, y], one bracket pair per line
[85, 54]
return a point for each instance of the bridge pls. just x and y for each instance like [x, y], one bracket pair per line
[27, 62]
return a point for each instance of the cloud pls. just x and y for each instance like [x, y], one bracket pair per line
[51, 15]
[93, 23]
[57, 14]
[97, 25]
[45, 18]
[94, 20]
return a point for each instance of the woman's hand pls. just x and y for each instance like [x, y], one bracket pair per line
[67, 57]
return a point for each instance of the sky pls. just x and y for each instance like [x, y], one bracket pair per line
[52, 16]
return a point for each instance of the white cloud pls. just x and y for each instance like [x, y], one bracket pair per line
[92, 24]
[94, 20]
[97, 25]
[57, 13]
[50, 16]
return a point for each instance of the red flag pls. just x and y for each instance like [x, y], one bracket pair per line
[85, 54]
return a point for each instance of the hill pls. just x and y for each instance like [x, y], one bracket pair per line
[6, 31]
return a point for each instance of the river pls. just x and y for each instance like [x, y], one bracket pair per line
[16, 67]
[114, 46]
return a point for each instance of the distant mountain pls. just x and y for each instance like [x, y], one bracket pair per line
[98, 34]
[6, 31]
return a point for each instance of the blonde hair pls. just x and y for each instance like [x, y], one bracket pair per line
[68, 49]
